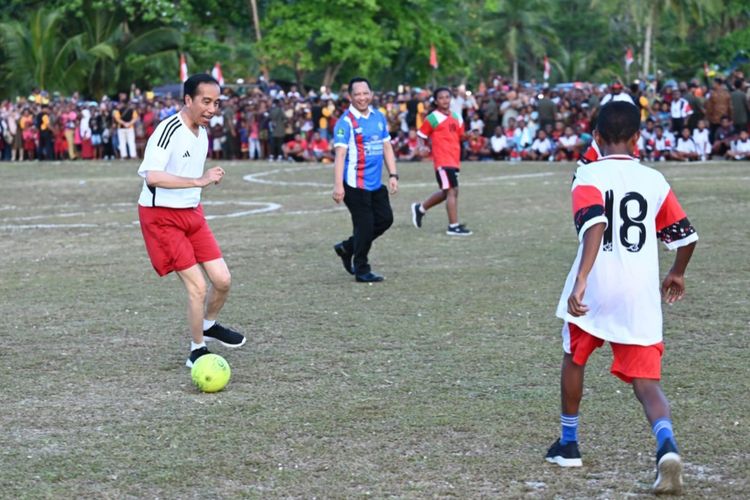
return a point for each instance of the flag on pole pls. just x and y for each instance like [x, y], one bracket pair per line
[546, 68]
[628, 57]
[433, 57]
[216, 73]
[183, 68]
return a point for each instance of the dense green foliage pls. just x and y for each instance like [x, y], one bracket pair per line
[102, 46]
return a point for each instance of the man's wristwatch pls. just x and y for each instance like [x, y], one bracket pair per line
[393, 176]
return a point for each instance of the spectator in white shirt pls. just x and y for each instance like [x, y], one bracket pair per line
[567, 146]
[740, 148]
[702, 142]
[499, 146]
[685, 149]
[541, 148]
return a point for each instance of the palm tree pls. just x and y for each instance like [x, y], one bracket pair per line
[520, 27]
[37, 52]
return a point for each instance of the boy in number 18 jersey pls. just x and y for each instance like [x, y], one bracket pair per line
[612, 292]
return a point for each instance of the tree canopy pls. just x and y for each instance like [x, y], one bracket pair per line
[98, 47]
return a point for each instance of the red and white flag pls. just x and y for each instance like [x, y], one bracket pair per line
[628, 57]
[216, 73]
[433, 57]
[546, 68]
[183, 68]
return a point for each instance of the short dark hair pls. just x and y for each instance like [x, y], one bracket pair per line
[358, 79]
[441, 89]
[618, 121]
[190, 87]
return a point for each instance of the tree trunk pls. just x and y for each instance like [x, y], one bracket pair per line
[256, 23]
[515, 71]
[331, 73]
[647, 41]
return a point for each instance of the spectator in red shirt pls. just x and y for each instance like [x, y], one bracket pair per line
[320, 150]
[296, 149]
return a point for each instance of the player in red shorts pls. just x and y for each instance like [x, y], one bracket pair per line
[445, 129]
[612, 294]
[174, 228]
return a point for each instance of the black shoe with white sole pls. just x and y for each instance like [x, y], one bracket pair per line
[195, 354]
[459, 230]
[225, 336]
[668, 470]
[416, 214]
[564, 455]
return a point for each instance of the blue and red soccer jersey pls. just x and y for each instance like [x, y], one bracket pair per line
[363, 136]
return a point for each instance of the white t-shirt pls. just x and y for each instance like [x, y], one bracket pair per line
[739, 146]
[568, 141]
[542, 146]
[701, 141]
[622, 291]
[173, 148]
[686, 145]
[498, 143]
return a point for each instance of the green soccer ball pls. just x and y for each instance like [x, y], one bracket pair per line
[211, 373]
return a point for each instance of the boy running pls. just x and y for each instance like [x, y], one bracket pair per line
[620, 208]
[445, 128]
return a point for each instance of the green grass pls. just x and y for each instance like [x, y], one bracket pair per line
[440, 382]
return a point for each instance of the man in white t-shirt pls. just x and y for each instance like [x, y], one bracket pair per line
[740, 149]
[620, 209]
[702, 141]
[174, 228]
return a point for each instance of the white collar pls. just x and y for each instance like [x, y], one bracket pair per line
[359, 115]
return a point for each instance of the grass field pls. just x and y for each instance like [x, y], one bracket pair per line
[440, 382]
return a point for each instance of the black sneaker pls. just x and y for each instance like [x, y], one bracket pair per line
[668, 470]
[566, 455]
[416, 214]
[225, 336]
[195, 354]
[459, 230]
[346, 257]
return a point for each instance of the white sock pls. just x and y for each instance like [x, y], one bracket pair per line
[194, 346]
[208, 323]
[422, 209]
[453, 225]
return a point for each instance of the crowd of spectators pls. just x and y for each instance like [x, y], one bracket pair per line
[264, 121]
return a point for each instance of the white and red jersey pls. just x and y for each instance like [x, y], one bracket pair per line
[680, 109]
[663, 143]
[175, 149]
[623, 290]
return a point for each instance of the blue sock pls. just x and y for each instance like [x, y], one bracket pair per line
[662, 429]
[569, 424]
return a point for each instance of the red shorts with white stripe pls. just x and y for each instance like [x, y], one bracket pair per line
[630, 361]
[447, 177]
[177, 238]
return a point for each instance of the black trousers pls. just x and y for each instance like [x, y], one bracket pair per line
[371, 216]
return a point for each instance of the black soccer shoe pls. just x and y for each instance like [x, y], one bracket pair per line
[195, 354]
[346, 257]
[225, 336]
[668, 470]
[416, 215]
[459, 230]
[566, 455]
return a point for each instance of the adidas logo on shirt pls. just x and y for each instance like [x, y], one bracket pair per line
[186, 155]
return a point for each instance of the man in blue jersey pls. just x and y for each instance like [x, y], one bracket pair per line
[362, 143]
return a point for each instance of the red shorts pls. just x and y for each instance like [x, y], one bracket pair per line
[177, 238]
[630, 361]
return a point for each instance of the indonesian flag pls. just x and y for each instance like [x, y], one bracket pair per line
[216, 73]
[628, 57]
[546, 68]
[433, 57]
[183, 68]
